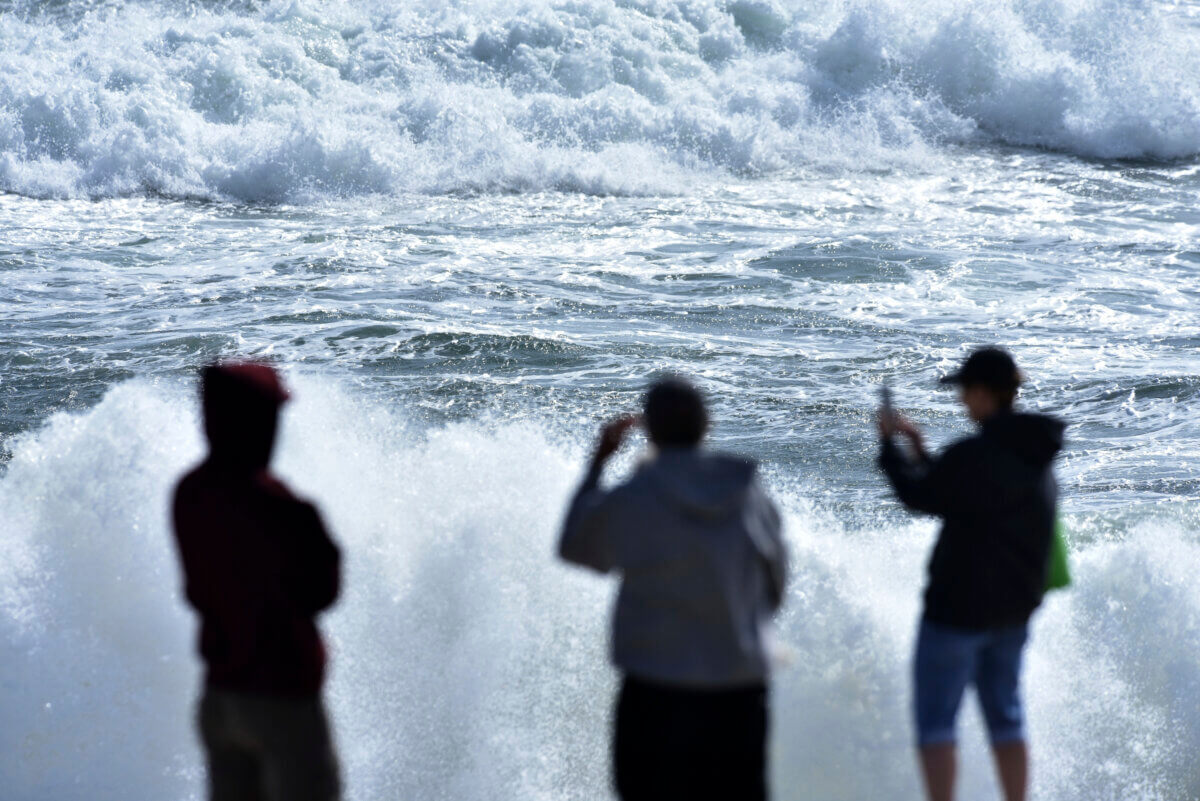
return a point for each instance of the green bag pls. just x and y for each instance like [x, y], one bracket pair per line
[1058, 575]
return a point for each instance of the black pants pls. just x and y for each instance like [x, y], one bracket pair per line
[262, 748]
[673, 744]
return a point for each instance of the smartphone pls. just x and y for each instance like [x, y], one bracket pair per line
[885, 403]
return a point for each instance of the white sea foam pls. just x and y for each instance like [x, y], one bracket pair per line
[293, 101]
[468, 664]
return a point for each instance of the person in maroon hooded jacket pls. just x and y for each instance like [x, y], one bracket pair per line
[258, 567]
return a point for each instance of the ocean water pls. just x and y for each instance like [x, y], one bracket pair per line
[468, 231]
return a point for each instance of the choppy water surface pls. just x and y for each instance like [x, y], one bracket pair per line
[469, 232]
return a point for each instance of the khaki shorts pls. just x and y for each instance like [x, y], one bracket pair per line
[267, 748]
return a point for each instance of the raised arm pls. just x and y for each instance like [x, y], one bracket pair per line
[586, 536]
[922, 483]
[766, 529]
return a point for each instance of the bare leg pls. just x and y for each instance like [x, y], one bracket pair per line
[1012, 764]
[938, 767]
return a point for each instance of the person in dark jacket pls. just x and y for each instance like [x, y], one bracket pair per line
[258, 567]
[699, 548]
[996, 494]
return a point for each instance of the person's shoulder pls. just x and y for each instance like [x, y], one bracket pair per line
[640, 485]
[964, 447]
[284, 503]
[191, 481]
[272, 488]
[638, 482]
[733, 462]
[730, 468]
[191, 477]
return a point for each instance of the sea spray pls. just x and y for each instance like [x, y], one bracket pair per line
[99, 675]
[468, 664]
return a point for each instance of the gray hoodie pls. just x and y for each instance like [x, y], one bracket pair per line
[702, 559]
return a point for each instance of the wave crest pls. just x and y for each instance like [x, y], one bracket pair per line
[291, 102]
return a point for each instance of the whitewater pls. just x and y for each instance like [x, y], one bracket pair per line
[272, 102]
[470, 230]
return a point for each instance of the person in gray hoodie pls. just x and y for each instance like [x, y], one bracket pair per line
[699, 548]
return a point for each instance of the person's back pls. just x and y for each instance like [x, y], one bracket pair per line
[996, 494]
[699, 549]
[258, 566]
[688, 533]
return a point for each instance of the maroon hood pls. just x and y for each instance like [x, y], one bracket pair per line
[241, 411]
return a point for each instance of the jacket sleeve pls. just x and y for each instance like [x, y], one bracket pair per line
[586, 537]
[197, 563]
[923, 485]
[315, 578]
[766, 527]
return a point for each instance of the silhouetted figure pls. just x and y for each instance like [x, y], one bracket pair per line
[996, 494]
[702, 563]
[258, 567]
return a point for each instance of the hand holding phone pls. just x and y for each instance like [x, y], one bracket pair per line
[892, 422]
[612, 434]
[887, 413]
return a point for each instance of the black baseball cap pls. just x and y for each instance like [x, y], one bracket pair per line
[991, 367]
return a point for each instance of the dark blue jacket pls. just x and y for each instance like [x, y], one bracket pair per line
[997, 497]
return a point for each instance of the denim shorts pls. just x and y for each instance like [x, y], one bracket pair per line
[948, 659]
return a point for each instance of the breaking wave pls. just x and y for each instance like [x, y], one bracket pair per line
[297, 101]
